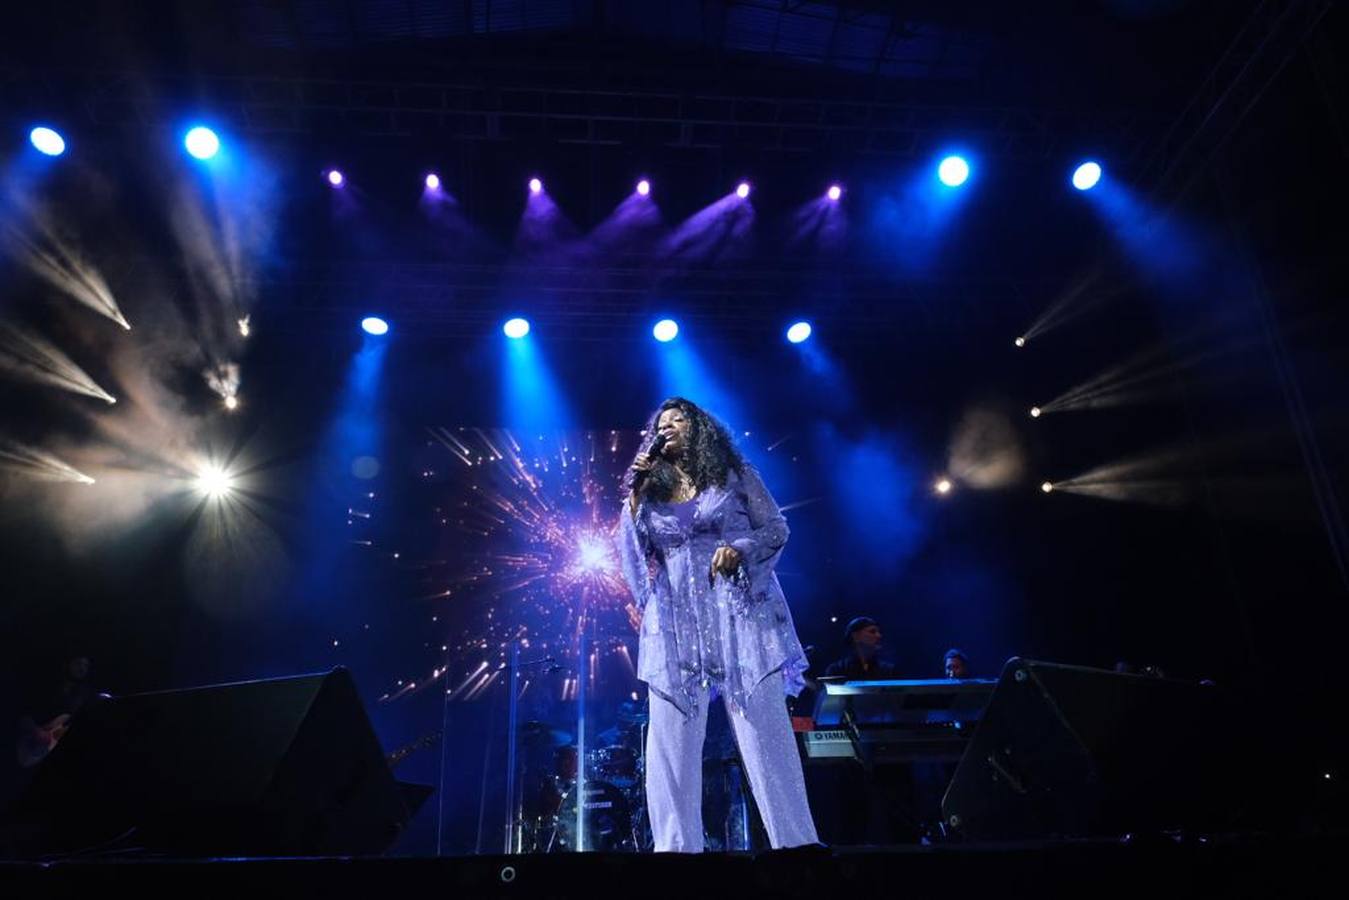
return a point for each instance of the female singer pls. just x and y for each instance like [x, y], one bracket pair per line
[699, 538]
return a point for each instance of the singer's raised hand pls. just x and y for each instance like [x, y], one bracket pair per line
[641, 467]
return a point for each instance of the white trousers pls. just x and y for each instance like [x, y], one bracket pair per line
[674, 770]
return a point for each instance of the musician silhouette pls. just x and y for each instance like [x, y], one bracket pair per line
[49, 715]
[956, 664]
[863, 662]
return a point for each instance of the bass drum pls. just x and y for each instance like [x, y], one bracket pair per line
[608, 820]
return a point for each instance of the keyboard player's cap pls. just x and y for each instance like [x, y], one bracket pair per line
[855, 624]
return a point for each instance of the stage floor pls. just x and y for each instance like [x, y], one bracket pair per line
[1243, 866]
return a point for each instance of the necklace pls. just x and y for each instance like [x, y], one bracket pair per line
[686, 490]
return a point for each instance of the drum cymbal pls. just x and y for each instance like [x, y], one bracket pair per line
[631, 712]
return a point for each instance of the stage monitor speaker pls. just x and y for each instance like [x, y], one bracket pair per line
[1067, 751]
[279, 767]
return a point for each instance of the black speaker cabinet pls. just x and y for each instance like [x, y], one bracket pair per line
[285, 766]
[1067, 751]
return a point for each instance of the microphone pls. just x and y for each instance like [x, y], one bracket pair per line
[657, 445]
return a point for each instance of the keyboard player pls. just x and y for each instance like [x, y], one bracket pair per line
[863, 662]
[956, 664]
[874, 807]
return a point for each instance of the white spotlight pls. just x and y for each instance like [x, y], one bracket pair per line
[202, 142]
[1035, 412]
[1020, 342]
[47, 141]
[1086, 176]
[665, 330]
[1047, 487]
[215, 482]
[953, 171]
[943, 486]
[231, 403]
[374, 325]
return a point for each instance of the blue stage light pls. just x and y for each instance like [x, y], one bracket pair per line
[666, 330]
[799, 332]
[375, 325]
[47, 141]
[1086, 176]
[953, 171]
[516, 328]
[202, 142]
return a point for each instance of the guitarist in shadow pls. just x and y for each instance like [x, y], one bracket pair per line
[49, 715]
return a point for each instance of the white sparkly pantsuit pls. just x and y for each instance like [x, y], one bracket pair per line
[674, 769]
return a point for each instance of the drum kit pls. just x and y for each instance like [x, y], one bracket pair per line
[613, 804]
[612, 796]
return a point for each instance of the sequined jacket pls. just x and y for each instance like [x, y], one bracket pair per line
[726, 634]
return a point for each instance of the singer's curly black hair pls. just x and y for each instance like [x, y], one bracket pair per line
[708, 458]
